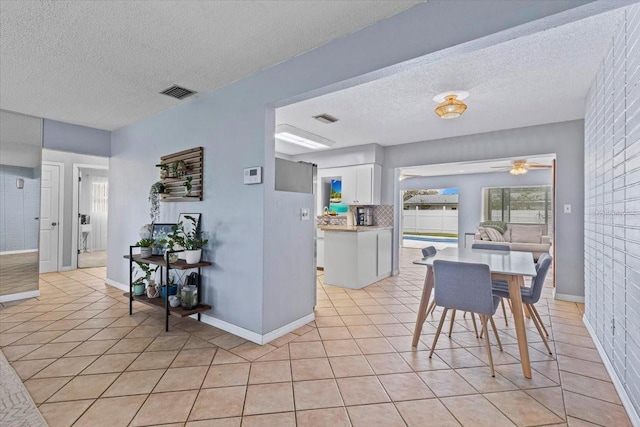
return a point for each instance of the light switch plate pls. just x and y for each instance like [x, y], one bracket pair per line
[567, 208]
[304, 214]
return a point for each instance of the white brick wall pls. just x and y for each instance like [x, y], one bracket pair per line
[612, 205]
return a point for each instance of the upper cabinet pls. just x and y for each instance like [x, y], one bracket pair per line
[360, 185]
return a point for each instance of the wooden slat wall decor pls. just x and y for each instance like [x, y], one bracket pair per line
[179, 166]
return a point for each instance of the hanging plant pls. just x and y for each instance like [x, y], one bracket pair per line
[154, 198]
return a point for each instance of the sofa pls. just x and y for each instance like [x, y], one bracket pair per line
[519, 237]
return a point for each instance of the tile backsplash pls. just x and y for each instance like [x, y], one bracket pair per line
[382, 216]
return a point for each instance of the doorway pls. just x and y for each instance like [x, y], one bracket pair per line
[430, 218]
[92, 215]
[50, 217]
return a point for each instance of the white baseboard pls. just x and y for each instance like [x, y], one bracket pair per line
[23, 251]
[617, 383]
[115, 284]
[66, 268]
[232, 329]
[566, 297]
[237, 330]
[19, 295]
[288, 328]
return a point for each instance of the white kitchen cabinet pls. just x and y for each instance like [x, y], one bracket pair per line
[355, 259]
[319, 248]
[384, 253]
[360, 184]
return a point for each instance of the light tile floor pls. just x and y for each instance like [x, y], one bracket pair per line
[86, 362]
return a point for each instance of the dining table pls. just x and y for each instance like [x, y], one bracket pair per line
[509, 266]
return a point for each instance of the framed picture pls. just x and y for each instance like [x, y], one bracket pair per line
[187, 225]
[159, 232]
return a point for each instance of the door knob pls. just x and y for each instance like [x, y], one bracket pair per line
[37, 217]
[54, 224]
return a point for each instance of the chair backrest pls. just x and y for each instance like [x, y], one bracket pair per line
[491, 247]
[428, 251]
[463, 286]
[542, 266]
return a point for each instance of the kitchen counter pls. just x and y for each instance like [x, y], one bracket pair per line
[353, 228]
[355, 257]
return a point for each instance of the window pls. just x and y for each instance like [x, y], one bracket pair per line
[99, 196]
[523, 205]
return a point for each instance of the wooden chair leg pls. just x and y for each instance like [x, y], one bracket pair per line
[475, 327]
[453, 318]
[483, 319]
[534, 310]
[495, 332]
[504, 312]
[431, 308]
[537, 323]
[435, 339]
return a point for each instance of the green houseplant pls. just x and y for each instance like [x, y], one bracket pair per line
[154, 198]
[188, 185]
[140, 282]
[191, 241]
[145, 247]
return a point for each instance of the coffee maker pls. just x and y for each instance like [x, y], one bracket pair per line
[364, 215]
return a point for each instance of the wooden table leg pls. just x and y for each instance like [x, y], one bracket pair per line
[424, 302]
[518, 319]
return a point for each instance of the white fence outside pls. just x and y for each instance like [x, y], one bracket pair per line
[429, 221]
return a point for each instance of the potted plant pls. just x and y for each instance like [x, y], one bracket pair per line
[173, 287]
[191, 241]
[188, 185]
[140, 282]
[154, 198]
[145, 247]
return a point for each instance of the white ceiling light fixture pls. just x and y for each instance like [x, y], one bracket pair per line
[288, 133]
[450, 105]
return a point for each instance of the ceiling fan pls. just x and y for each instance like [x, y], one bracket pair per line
[520, 167]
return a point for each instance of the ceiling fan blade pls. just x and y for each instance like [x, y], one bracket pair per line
[536, 166]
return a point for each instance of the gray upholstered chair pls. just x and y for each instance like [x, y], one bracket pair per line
[504, 248]
[428, 251]
[465, 286]
[531, 295]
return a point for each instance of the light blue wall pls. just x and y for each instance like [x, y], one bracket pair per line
[263, 278]
[76, 139]
[19, 228]
[470, 186]
[565, 139]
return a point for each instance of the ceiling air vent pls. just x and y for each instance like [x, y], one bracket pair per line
[325, 118]
[178, 92]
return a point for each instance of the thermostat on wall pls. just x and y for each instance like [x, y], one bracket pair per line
[253, 175]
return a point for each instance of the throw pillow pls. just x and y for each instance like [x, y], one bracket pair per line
[498, 225]
[483, 233]
[526, 233]
[494, 235]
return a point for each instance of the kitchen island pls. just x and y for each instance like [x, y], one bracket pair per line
[356, 256]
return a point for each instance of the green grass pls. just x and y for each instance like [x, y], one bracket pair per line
[432, 234]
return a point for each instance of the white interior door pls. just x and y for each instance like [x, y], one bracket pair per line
[49, 201]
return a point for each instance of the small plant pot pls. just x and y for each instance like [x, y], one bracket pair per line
[173, 289]
[138, 289]
[145, 252]
[193, 257]
[153, 292]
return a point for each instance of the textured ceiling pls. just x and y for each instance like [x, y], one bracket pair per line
[102, 63]
[532, 80]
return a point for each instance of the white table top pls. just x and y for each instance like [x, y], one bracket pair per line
[513, 262]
